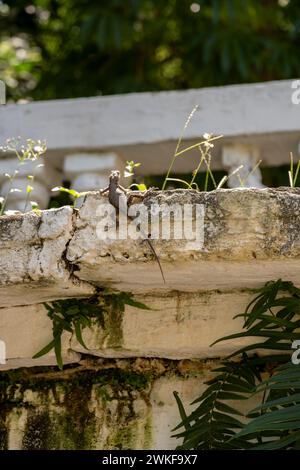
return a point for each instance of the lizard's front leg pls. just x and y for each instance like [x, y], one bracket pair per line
[103, 191]
[125, 191]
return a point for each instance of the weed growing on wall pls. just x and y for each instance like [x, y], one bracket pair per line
[73, 315]
[293, 173]
[31, 152]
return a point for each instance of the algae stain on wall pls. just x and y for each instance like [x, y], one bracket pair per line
[3, 434]
[106, 409]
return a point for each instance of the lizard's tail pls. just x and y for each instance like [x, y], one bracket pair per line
[157, 258]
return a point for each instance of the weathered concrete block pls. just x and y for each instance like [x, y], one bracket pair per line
[25, 330]
[128, 405]
[250, 237]
[178, 326]
[32, 263]
[165, 412]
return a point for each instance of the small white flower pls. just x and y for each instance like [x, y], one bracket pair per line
[38, 148]
[207, 136]
[208, 145]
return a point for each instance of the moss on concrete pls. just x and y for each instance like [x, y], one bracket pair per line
[100, 404]
[69, 410]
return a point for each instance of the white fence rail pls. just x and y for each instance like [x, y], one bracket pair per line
[257, 121]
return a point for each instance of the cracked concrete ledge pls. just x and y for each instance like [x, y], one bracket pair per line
[27, 329]
[250, 236]
[33, 267]
[178, 326]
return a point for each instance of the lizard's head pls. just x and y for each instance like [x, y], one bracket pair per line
[115, 176]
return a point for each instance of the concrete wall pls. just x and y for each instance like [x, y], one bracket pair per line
[118, 392]
[97, 404]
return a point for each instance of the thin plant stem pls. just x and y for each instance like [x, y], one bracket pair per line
[185, 127]
[6, 196]
[178, 145]
[227, 177]
[27, 198]
[178, 152]
[210, 172]
[222, 182]
[292, 178]
[297, 172]
[206, 181]
[180, 181]
[32, 181]
[32, 151]
[196, 171]
[207, 163]
[291, 169]
[254, 168]
[241, 181]
[197, 145]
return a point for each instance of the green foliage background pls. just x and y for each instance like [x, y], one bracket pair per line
[70, 48]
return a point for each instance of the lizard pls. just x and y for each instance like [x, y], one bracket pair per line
[117, 196]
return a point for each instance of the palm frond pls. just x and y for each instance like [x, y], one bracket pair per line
[272, 319]
[212, 424]
[281, 410]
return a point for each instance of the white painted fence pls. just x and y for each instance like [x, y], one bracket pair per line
[87, 137]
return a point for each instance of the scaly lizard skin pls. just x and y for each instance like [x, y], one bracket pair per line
[117, 196]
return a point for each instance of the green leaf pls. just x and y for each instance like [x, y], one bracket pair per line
[79, 335]
[140, 187]
[72, 192]
[44, 350]
[135, 303]
[182, 412]
[73, 310]
[280, 443]
[178, 180]
[286, 400]
[57, 349]
[73, 315]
